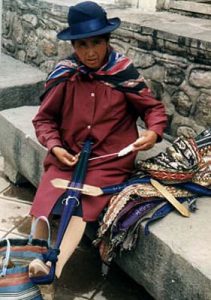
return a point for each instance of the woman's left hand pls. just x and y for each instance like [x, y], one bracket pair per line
[146, 140]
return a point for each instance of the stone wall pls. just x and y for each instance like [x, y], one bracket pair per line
[29, 31]
[175, 76]
[177, 69]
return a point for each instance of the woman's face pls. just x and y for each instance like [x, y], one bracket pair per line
[91, 51]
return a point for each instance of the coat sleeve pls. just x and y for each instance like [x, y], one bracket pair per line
[46, 122]
[151, 111]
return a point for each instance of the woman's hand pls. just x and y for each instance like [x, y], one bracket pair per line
[64, 156]
[146, 140]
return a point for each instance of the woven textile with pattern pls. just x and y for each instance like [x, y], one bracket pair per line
[186, 160]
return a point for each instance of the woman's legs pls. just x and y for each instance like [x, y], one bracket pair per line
[70, 241]
[41, 230]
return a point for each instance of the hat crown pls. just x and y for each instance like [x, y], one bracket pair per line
[87, 19]
[85, 11]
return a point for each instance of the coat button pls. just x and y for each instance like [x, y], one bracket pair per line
[89, 126]
[92, 94]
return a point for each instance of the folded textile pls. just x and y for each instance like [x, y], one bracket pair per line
[185, 168]
[185, 160]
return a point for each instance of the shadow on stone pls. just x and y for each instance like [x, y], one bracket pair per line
[82, 279]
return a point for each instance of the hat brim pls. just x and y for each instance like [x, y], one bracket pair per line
[66, 34]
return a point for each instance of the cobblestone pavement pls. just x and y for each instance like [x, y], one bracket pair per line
[82, 277]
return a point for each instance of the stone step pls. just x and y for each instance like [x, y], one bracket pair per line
[200, 7]
[22, 154]
[20, 84]
[172, 263]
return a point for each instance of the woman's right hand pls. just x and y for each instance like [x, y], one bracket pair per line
[64, 156]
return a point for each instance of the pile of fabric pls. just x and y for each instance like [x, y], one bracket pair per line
[185, 170]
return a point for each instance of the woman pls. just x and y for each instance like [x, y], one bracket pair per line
[96, 93]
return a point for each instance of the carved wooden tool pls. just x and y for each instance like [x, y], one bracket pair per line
[86, 189]
[181, 208]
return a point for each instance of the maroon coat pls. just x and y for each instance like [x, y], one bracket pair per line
[77, 109]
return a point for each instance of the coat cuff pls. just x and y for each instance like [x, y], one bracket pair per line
[54, 143]
[159, 132]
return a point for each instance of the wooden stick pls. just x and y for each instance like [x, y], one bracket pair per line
[181, 208]
[86, 189]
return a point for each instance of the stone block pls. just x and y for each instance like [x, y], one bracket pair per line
[21, 151]
[12, 173]
[20, 84]
[173, 261]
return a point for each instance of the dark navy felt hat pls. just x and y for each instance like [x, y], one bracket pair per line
[87, 19]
